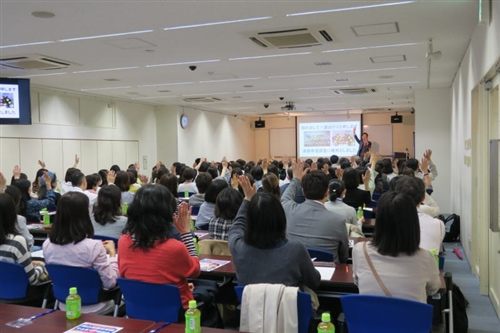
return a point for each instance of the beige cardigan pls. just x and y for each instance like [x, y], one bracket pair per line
[269, 308]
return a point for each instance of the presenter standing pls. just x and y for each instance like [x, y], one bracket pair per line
[364, 144]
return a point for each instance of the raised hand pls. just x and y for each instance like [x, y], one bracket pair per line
[16, 172]
[183, 219]
[339, 173]
[111, 177]
[47, 179]
[298, 169]
[248, 188]
[42, 164]
[77, 160]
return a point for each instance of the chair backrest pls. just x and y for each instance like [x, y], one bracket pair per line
[368, 313]
[104, 238]
[151, 301]
[215, 247]
[320, 255]
[182, 194]
[195, 210]
[13, 281]
[86, 280]
[304, 307]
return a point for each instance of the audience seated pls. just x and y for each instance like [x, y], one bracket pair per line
[188, 185]
[21, 226]
[271, 185]
[122, 181]
[406, 270]
[226, 206]
[202, 182]
[30, 208]
[336, 191]
[207, 209]
[107, 218]
[261, 251]
[13, 246]
[310, 222]
[70, 243]
[79, 183]
[354, 196]
[432, 230]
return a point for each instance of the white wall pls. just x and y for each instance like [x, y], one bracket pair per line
[433, 131]
[483, 52]
[128, 133]
[209, 134]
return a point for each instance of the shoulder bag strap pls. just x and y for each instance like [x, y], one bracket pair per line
[382, 285]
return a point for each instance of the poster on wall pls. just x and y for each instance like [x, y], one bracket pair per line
[9, 101]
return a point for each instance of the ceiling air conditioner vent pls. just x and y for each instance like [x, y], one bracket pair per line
[34, 62]
[291, 37]
[202, 99]
[354, 91]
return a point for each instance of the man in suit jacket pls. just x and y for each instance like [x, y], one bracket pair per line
[364, 144]
[310, 222]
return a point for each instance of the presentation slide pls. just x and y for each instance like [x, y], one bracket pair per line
[326, 136]
[9, 101]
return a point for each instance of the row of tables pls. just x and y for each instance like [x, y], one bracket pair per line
[57, 322]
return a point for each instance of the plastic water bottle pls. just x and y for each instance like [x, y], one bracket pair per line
[193, 316]
[435, 254]
[46, 217]
[326, 325]
[73, 304]
[359, 213]
[125, 208]
[196, 245]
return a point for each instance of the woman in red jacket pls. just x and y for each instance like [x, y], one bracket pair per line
[149, 251]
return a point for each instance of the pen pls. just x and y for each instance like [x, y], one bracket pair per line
[159, 327]
[41, 314]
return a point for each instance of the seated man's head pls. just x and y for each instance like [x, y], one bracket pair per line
[413, 187]
[315, 185]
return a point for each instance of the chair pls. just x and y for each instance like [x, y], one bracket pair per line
[215, 247]
[304, 308]
[320, 255]
[103, 238]
[151, 301]
[195, 210]
[15, 286]
[368, 313]
[182, 194]
[86, 280]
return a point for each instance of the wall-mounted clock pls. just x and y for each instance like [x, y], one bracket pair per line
[184, 121]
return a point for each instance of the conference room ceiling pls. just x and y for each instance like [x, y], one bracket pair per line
[142, 51]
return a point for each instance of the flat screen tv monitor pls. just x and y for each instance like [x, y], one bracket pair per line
[15, 102]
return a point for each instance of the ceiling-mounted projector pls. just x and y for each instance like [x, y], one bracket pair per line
[288, 106]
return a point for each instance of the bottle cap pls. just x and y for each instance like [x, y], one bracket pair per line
[192, 304]
[325, 316]
[72, 291]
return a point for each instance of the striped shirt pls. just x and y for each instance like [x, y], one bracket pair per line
[15, 250]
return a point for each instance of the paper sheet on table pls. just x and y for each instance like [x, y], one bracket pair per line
[37, 254]
[326, 272]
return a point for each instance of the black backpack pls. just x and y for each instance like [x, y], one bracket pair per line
[452, 227]
[460, 319]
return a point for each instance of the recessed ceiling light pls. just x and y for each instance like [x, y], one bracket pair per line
[105, 36]
[26, 44]
[41, 14]
[105, 70]
[270, 56]
[106, 88]
[217, 23]
[351, 8]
